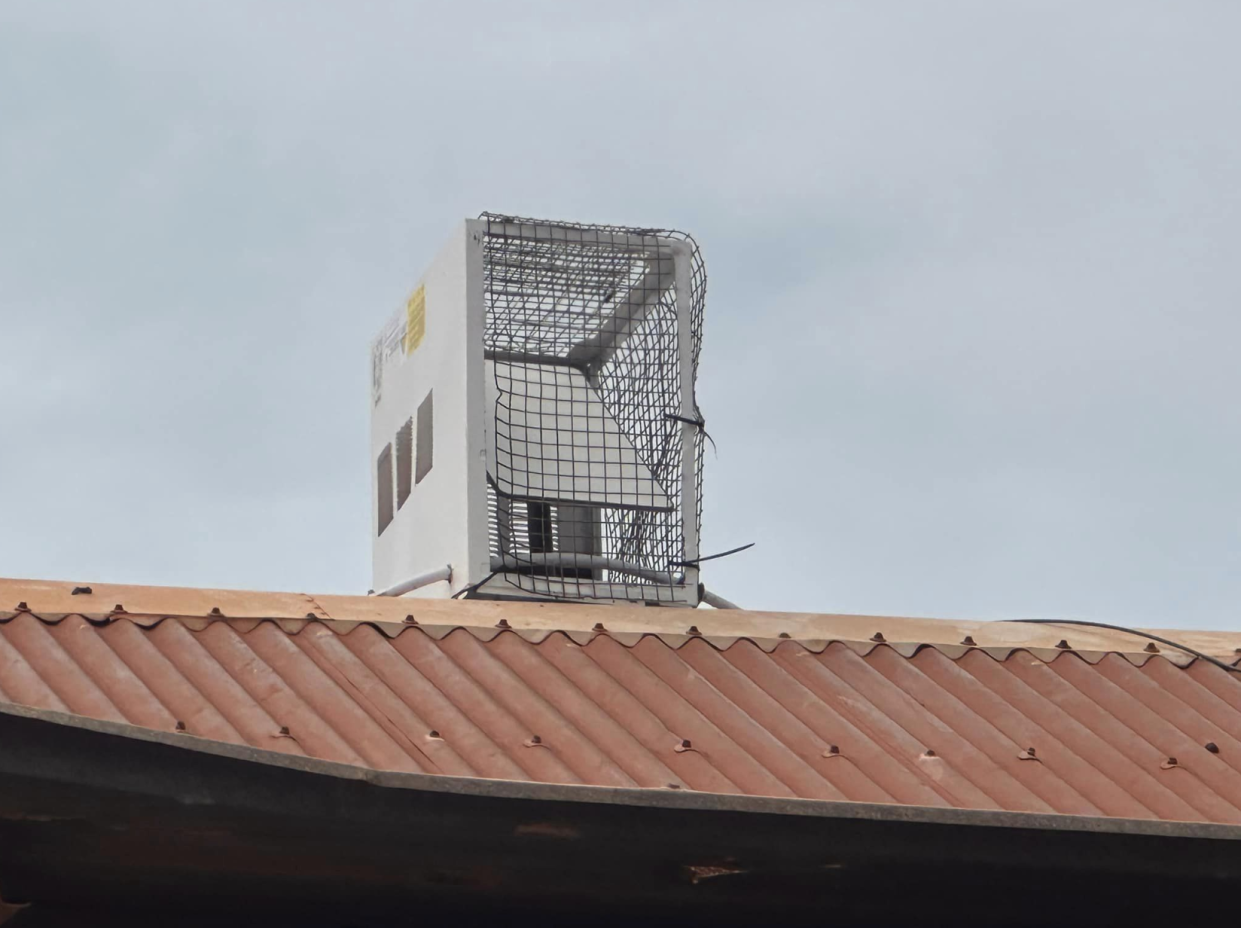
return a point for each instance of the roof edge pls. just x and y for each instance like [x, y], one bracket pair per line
[907, 649]
[647, 798]
[101, 602]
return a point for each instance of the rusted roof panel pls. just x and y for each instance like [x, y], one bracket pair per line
[613, 696]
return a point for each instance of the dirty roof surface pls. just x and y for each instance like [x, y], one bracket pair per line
[784, 705]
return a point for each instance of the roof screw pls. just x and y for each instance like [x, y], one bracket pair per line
[878, 636]
[180, 726]
[22, 607]
[1063, 645]
[410, 620]
[215, 610]
[118, 608]
[1212, 747]
[833, 750]
[311, 615]
[599, 627]
[433, 734]
[534, 741]
[674, 786]
[693, 630]
[1169, 763]
[1236, 650]
[81, 590]
[969, 641]
[684, 746]
[929, 753]
[503, 623]
[284, 732]
[1151, 648]
[1027, 754]
[784, 635]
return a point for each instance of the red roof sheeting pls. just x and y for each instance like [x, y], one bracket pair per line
[611, 696]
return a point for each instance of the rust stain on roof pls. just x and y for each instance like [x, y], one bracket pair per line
[913, 711]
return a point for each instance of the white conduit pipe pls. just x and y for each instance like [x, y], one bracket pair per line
[564, 559]
[717, 601]
[413, 583]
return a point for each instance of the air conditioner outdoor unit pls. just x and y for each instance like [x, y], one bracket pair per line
[535, 432]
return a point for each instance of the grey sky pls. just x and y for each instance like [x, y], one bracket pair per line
[972, 320]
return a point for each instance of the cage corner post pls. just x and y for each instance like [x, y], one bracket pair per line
[684, 283]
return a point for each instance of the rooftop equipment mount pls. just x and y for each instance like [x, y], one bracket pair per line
[535, 433]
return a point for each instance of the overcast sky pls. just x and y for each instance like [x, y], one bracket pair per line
[972, 324]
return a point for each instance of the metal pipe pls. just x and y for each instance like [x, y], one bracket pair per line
[716, 601]
[587, 561]
[524, 357]
[413, 583]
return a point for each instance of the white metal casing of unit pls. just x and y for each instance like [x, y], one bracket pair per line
[432, 348]
[435, 479]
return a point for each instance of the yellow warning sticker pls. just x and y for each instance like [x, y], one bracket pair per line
[415, 319]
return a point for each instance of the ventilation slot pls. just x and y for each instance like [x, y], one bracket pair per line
[426, 440]
[404, 462]
[383, 486]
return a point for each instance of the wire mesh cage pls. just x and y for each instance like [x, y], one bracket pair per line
[587, 342]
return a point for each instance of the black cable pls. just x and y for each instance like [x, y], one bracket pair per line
[700, 422]
[466, 591]
[710, 557]
[1133, 631]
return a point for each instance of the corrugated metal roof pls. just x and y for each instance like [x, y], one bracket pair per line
[844, 707]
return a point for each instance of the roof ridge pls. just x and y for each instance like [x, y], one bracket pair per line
[246, 624]
[99, 602]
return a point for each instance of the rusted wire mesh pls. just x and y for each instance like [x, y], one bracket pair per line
[585, 407]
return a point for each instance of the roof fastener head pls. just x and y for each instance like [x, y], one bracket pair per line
[433, 734]
[1212, 747]
[878, 636]
[180, 726]
[969, 641]
[674, 786]
[929, 752]
[410, 620]
[693, 630]
[1169, 763]
[284, 732]
[533, 741]
[1027, 754]
[215, 610]
[81, 591]
[833, 750]
[684, 746]
[503, 623]
[598, 627]
[311, 615]
[22, 607]
[1151, 648]
[1063, 645]
[118, 608]
[784, 635]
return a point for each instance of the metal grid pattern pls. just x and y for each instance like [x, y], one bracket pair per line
[1133, 736]
[584, 370]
